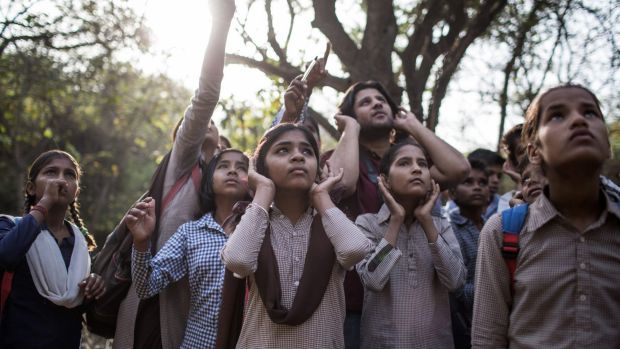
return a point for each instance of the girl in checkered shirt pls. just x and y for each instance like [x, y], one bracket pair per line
[194, 250]
[416, 260]
[294, 245]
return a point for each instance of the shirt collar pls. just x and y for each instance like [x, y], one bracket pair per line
[542, 210]
[273, 210]
[208, 223]
[457, 218]
[384, 214]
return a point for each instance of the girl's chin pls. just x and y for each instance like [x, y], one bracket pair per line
[412, 194]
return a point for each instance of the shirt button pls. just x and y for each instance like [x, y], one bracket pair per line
[296, 259]
[296, 283]
[582, 239]
[582, 297]
[582, 265]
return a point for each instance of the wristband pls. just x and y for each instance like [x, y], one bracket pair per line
[39, 208]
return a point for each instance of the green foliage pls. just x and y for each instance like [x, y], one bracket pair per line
[244, 124]
[116, 121]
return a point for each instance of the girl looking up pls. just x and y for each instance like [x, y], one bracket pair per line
[295, 246]
[416, 259]
[194, 250]
[48, 258]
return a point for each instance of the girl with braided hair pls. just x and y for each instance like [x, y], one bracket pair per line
[48, 259]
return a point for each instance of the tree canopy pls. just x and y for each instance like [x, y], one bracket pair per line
[415, 48]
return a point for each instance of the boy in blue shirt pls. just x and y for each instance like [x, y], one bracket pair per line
[471, 197]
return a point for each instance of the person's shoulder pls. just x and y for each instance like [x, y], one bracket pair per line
[368, 219]
[492, 228]
[8, 220]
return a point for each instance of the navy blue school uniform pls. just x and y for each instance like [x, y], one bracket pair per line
[30, 320]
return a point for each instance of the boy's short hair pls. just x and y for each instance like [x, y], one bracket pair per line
[524, 161]
[488, 157]
[478, 165]
[511, 144]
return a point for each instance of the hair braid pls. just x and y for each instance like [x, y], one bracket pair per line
[75, 217]
[28, 203]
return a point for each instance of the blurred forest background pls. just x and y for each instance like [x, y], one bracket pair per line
[71, 75]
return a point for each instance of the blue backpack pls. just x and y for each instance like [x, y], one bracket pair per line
[513, 220]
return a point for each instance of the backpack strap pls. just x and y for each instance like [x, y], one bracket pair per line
[7, 281]
[513, 220]
[195, 177]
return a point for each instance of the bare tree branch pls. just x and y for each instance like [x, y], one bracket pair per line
[291, 12]
[271, 35]
[523, 31]
[327, 22]
[487, 13]
[324, 123]
[288, 73]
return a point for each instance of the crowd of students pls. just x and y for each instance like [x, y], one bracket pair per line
[393, 239]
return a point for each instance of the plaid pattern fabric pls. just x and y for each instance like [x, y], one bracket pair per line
[567, 283]
[467, 235]
[194, 250]
[406, 302]
[290, 244]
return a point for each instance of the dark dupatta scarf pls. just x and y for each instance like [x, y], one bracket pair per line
[320, 259]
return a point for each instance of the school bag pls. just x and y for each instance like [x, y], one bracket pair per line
[513, 220]
[7, 278]
[113, 262]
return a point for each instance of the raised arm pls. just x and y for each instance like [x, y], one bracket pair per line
[16, 239]
[346, 154]
[151, 275]
[193, 129]
[349, 242]
[449, 166]
[240, 254]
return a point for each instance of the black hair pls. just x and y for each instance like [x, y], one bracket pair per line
[512, 145]
[388, 159]
[523, 163]
[271, 136]
[347, 105]
[223, 140]
[490, 158]
[74, 208]
[478, 165]
[207, 192]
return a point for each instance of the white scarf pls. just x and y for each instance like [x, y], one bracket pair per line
[49, 273]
